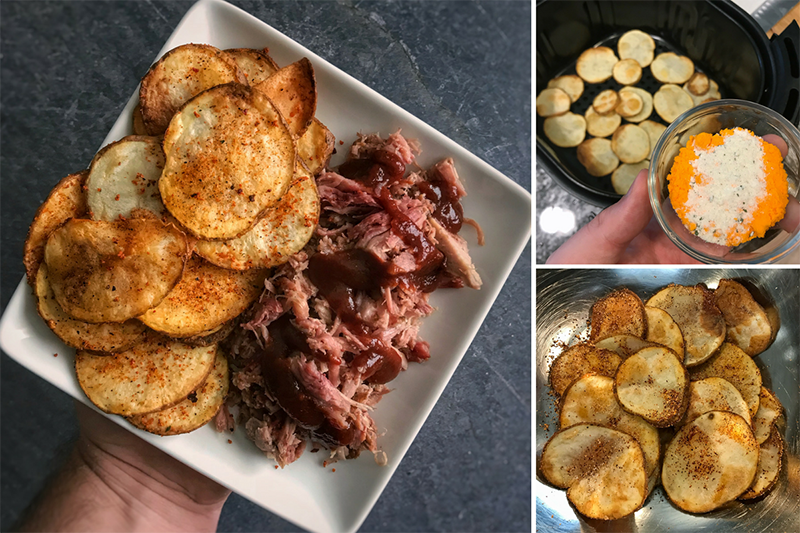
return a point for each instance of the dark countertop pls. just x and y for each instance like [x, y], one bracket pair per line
[465, 68]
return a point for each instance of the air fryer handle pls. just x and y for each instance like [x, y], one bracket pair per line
[786, 51]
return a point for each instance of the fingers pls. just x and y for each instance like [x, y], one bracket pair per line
[791, 220]
[778, 142]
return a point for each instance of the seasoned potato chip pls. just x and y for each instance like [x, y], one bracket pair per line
[66, 200]
[601, 125]
[213, 336]
[770, 413]
[769, 466]
[138, 121]
[595, 65]
[624, 176]
[654, 131]
[551, 102]
[697, 84]
[711, 94]
[195, 411]
[179, 75]
[620, 312]
[124, 176]
[603, 468]
[230, 156]
[567, 130]
[647, 104]
[255, 64]
[578, 360]
[715, 394]
[623, 345]
[671, 101]
[631, 144]
[630, 104]
[636, 44]
[315, 146]
[293, 90]
[627, 71]
[148, 377]
[106, 337]
[746, 322]
[710, 462]
[112, 271]
[597, 156]
[672, 68]
[731, 363]
[570, 84]
[283, 231]
[663, 330]
[605, 102]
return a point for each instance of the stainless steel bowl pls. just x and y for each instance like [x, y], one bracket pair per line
[563, 299]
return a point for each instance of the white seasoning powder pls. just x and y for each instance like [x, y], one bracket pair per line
[733, 183]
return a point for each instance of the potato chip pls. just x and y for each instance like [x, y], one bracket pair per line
[621, 312]
[746, 322]
[647, 104]
[597, 156]
[623, 345]
[627, 72]
[715, 394]
[697, 84]
[635, 44]
[732, 364]
[567, 130]
[595, 65]
[770, 413]
[601, 125]
[654, 131]
[255, 64]
[630, 104]
[578, 360]
[138, 121]
[712, 93]
[570, 84]
[293, 90]
[670, 102]
[622, 179]
[605, 102]
[672, 68]
[631, 144]
[769, 466]
[663, 330]
[551, 102]
[315, 146]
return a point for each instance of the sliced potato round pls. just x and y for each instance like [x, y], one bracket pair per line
[710, 462]
[769, 466]
[138, 121]
[567, 130]
[670, 102]
[654, 131]
[696, 313]
[620, 312]
[630, 104]
[293, 90]
[636, 44]
[283, 231]
[647, 104]
[731, 363]
[230, 156]
[746, 322]
[672, 68]
[622, 179]
[66, 200]
[631, 144]
[595, 65]
[579, 360]
[105, 338]
[182, 73]
[195, 411]
[597, 156]
[661, 329]
[213, 336]
[627, 72]
[112, 271]
[315, 146]
[697, 84]
[654, 384]
[149, 377]
[623, 345]
[711, 94]
[715, 394]
[605, 102]
[570, 84]
[551, 102]
[254, 64]
[124, 176]
[603, 468]
[599, 125]
[770, 413]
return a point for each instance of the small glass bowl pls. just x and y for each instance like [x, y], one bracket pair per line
[712, 117]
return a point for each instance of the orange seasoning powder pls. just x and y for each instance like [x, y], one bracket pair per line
[729, 187]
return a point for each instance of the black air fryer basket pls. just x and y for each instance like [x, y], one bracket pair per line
[723, 41]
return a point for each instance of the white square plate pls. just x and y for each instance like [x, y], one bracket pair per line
[305, 492]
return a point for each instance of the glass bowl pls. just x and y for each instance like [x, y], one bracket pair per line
[712, 117]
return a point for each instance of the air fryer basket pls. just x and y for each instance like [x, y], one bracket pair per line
[723, 41]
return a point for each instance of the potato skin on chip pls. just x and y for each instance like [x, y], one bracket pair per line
[112, 271]
[579, 360]
[293, 90]
[254, 64]
[138, 121]
[621, 312]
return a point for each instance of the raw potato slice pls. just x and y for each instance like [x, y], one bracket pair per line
[636, 44]
[112, 271]
[733, 364]
[106, 338]
[255, 64]
[579, 360]
[770, 413]
[654, 384]
[591, 400]
[283, 231]
[712, 93]
[551, 102]
[672, 68]
[293, 90]
[601, 125]
[630, 104]
[206, 297]
[710, 462]
[697, 84]
[597, 156]
[654, 131]
[627, 72]
[595, 65]
[195, 411]
[623, 345]
[662, 330]
[138, 121]
[148, 377]
[603, 468]
[182, 73]
[631, 144]
[746, 322]
[570, 84]
[605, 102]
[625, 175]
[124, 176]
[66, 200]
[769, 466]
[671, 101]
[567, 130]
[315, 146]
[696, 313]
[647, 104]
[230, 156]
[620, 312]
[715, 394]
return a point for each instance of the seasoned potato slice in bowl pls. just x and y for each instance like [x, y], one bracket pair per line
[746, 323]
[662, 329]
[621, 312]
[578, 360]
[769, 466]
[715, 394]
[770, 413]
[624, 345]
[738, 368]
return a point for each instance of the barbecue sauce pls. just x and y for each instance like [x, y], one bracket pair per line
[447, 209]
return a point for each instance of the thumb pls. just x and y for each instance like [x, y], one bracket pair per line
[605, 238]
